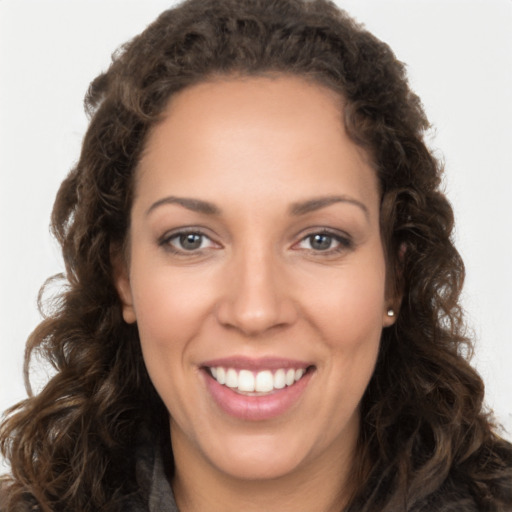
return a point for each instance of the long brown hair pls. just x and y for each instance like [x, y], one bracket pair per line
[424, 434]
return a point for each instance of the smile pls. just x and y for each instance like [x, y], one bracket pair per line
[256, 389]
[256, 383]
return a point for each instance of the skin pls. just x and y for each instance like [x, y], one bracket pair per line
[257, 286]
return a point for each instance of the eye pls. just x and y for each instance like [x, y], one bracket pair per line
[320, 242]
[324, 242]
[189, 241]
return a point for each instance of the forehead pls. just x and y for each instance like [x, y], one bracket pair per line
[245, 131]
[247, 102]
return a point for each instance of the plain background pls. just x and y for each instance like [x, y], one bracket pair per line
[459, 57]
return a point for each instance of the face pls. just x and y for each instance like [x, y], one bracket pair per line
[256, 276]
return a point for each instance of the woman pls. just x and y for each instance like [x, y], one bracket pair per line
[261, 310]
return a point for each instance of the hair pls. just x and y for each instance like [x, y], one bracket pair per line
[425, 440]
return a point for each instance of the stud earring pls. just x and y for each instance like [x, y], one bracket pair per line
[391, 312]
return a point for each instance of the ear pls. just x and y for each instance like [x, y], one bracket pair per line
[394, 290]
[389, 317]
[121, 275]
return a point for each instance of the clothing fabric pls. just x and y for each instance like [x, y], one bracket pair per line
[155, 491]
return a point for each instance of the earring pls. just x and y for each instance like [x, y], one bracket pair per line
[391, 312]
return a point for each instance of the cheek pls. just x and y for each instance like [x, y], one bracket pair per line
[169, 310]
[349, 308]
[168, 301]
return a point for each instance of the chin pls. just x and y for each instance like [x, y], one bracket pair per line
[258, 457]
[259, 466]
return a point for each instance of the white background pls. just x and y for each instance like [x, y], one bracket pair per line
[459, 56]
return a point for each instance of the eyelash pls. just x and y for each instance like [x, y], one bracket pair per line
[166, 241]
[344, 242]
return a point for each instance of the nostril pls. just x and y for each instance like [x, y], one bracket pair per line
[251, 319]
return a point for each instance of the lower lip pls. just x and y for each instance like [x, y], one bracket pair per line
[256, 408]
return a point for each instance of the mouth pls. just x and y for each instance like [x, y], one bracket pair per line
[257, 389]
[257, 383]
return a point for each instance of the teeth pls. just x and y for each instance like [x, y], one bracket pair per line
[231, 378]
[279, 379]
[221, 375]
[246, 381]
[264, 382]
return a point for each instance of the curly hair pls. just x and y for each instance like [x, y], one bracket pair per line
[426, 442]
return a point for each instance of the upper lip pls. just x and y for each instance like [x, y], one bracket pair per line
[256, 364]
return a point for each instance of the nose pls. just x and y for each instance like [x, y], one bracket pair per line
[256, 295]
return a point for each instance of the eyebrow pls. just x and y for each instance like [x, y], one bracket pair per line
[311, 205]
[195, 205]
[296, 209]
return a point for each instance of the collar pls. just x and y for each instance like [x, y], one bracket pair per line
[154, 488]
